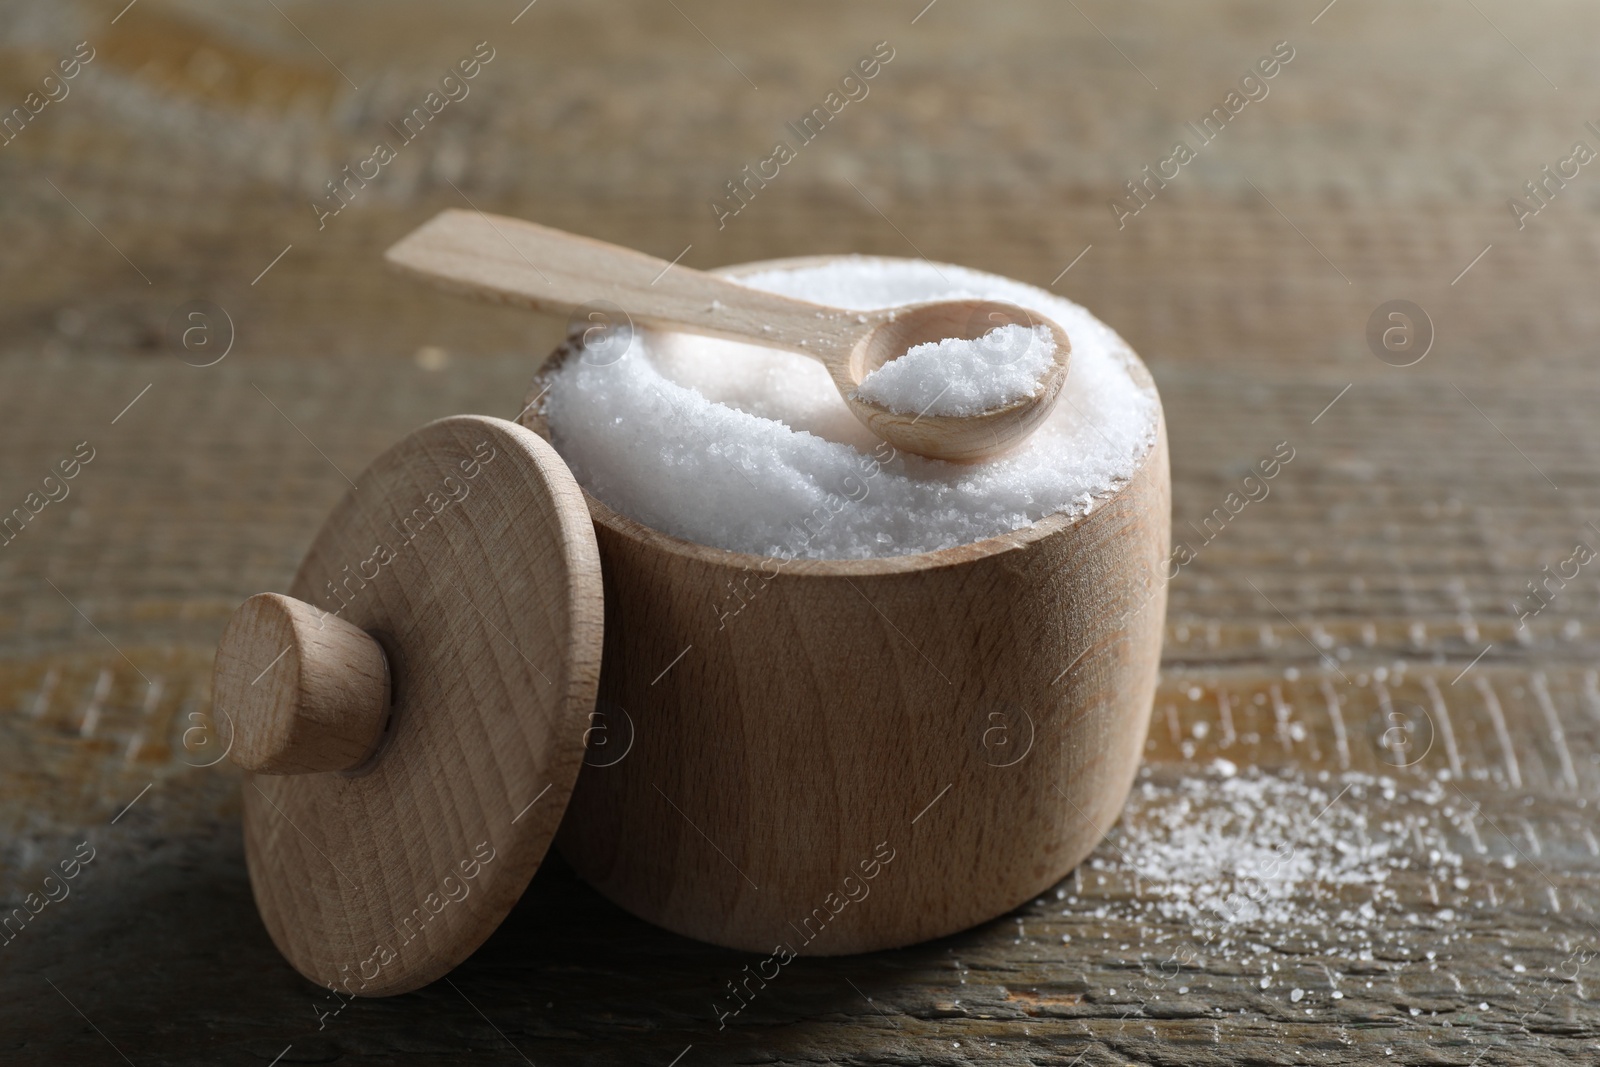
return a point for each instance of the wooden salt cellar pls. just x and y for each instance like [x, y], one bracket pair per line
[869, 753]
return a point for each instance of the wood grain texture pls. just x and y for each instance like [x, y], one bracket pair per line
[305, 691]
[519, 262]
[1403, 533]
[466, 553]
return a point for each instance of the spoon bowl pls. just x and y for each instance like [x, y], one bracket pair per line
[519, 262]
[965, 437]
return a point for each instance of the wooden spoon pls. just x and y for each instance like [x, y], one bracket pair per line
[520, 262]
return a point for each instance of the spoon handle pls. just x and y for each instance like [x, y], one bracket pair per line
[517, 262]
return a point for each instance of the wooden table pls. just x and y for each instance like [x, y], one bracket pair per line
[1365, 830]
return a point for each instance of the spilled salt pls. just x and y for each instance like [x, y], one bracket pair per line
[957, 376]
[1248, 862]
[753, 449]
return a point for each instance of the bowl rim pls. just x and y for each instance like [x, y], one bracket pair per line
[533, 418]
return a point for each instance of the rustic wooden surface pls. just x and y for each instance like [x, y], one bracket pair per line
[1450, 902]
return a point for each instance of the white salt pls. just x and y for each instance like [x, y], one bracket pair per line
[1234, 856]
[963, 377]
[753, 449]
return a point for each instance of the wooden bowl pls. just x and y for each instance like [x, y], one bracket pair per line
[872, 752]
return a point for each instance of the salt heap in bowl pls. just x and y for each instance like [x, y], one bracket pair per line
[753, 450]
[957, 376]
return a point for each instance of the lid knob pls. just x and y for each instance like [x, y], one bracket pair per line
[308, 692]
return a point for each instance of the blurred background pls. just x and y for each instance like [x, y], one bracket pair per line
[183, 305]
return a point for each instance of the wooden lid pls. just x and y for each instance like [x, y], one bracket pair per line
[385, 846]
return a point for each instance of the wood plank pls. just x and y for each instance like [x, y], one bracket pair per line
[1377, 587]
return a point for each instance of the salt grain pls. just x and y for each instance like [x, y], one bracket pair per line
[1229, 855]
[963, 377]
[752, 449]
